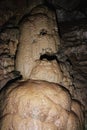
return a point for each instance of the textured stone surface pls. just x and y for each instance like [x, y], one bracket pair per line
[73, 50]
[37, 105]
[71, 53]
[47, 70]
[69, 16]
[39, 35]
[8, 47]
[52, 71]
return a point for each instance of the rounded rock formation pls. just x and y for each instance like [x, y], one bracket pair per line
[37, 105]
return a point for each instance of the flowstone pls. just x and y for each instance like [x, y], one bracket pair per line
[41, 101]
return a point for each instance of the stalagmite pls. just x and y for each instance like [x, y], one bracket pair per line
[40, 101]
[38, 36]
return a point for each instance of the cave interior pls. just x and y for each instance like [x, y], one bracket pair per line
[71, 17]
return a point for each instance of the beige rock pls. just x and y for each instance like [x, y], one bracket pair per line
[78, 109]
[38, 36]
[51, 71]
[47, 70]
[73, 122]
[36, 104]
[43, 10]
[67, 78]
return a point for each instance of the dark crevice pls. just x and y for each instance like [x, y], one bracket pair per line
[48, 57]
[69, 61]
[43, 32]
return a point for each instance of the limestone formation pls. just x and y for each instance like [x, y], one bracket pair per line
[51, 71]
[42, 101]
[35, 104]
[78, 109]
[38, 36]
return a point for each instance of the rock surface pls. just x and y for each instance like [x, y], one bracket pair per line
[52, 71]
[38, 105]
[73, 50]
[71, 54]
[8, 47]
[39, 35]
